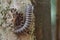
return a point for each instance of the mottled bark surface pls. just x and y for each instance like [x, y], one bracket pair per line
[6, 20]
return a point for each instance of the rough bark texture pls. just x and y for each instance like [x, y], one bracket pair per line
[5, 32]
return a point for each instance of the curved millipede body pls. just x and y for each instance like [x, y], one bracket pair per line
[28, 19]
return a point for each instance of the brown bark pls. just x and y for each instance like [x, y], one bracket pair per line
[58, 20]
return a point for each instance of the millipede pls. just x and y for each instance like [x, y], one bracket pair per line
[16, 18]
[22, 22]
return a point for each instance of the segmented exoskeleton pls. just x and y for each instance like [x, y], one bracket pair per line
[27, 19]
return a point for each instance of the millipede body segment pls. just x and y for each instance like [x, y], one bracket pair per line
[28, 19]
[22, 20]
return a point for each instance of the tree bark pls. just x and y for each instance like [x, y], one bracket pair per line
[7, 34]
